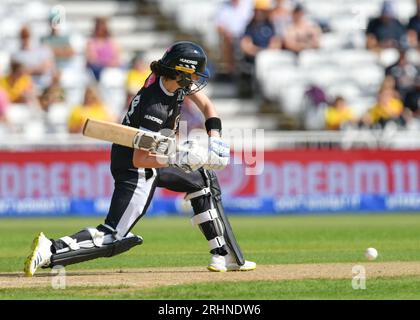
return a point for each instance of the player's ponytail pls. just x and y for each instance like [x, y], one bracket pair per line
[161, 70]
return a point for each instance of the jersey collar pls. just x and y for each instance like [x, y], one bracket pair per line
[171, 94]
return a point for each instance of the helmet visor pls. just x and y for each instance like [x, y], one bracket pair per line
[193, 81]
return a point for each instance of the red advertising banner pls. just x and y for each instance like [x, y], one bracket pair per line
[320, 172]
[86, 174]
[78, 174]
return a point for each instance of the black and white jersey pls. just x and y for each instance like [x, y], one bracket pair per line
[152, 109]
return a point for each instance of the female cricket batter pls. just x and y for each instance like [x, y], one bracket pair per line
[181, 71]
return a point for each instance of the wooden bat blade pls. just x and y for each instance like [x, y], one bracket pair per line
[109, 131]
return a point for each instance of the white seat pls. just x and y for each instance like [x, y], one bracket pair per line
[291, 99]
[92, 8]
[348, 22]
[34, 130]
[73, 78]
[347, 89]
[353, 57]
[360, 105]
[309, 58]
[413, 56]
[10, 27]
[368, 77]
[18, 114]
[268, 59]
[323, 75]
[78, 43]
[153, 54]
[114, 99]
[35, 11]
[113, 78]
[4, 62]
[388, 57]
[357, 39]
[75, 96]
[278, 78]
[332, 41]
[322, 9]
[144, 40]
[58, 114]
[405, 9]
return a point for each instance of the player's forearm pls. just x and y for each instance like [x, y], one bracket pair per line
[203, 103]
[140, 160]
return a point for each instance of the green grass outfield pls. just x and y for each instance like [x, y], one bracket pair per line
[173, 242]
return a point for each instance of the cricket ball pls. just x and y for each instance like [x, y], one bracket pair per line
[371, 253]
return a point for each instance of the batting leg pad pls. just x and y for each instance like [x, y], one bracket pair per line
[85, 254]
[214, 222]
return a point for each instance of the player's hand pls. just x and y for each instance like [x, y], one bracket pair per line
[219, 154]
[190, 157]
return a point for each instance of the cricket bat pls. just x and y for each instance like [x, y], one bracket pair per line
[128, 136]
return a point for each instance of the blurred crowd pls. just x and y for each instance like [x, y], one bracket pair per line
[33, 80]
[245, 30]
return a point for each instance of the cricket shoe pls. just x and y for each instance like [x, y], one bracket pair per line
[40, 255]
[220, 263]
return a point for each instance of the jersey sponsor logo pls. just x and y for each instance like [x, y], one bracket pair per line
[152, 118]
[188, 61]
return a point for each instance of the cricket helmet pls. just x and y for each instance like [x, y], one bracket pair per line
[184, 59]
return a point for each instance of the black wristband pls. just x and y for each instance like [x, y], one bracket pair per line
[213, 124]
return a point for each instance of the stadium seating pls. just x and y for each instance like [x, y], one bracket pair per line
[341, 66]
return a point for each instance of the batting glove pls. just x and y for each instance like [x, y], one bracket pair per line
[219, 153]
[190, 157]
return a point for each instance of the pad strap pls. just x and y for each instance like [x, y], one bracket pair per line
[216, 243]
[97, 236]
[197, 194]
[205, 216]
[70, 242]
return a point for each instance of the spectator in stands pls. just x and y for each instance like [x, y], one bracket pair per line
[102, 50]
[387, 108]
[231, 22]
[412, 99]
[18, 84]
[59, 44]
[281, 17]
[259, 33]
[4, 104]
[339, 114]
[314, 103]
[302, 34]
[38, 60]
[52, 95]
[404, 73]
[413, 28]
[137, 75]
[92, 107]
[385, 31]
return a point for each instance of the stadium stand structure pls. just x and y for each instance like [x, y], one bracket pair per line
[137, 26]
[341, 65]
